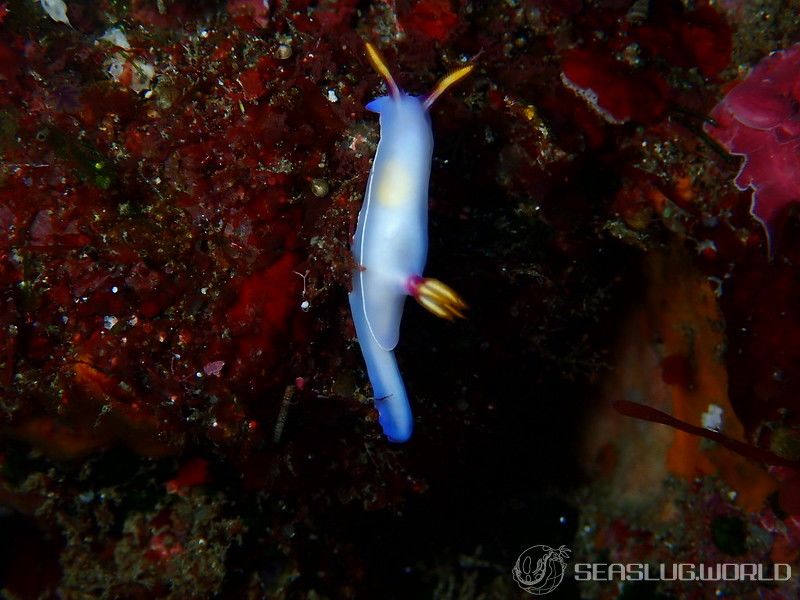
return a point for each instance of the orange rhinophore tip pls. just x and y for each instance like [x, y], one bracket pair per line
[438, 298]
[380, 66]
[445, 82]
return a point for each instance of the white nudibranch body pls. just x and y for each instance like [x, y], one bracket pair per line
[391, 244]
[391, 241]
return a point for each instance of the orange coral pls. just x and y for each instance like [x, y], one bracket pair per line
[671, 358]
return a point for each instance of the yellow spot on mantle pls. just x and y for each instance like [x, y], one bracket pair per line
[394, 184]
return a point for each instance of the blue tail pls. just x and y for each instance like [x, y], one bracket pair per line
[391, 400]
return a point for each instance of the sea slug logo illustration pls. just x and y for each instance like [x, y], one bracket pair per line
[540, 569]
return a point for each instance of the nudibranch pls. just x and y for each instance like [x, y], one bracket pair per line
[390, 245]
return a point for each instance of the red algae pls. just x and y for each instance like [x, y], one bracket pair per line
[248, 14]
[698, 38]
[193, 472]
[433, 19]
[758, 120]
[613, 89]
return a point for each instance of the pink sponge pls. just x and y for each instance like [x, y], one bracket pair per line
[759, 119]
